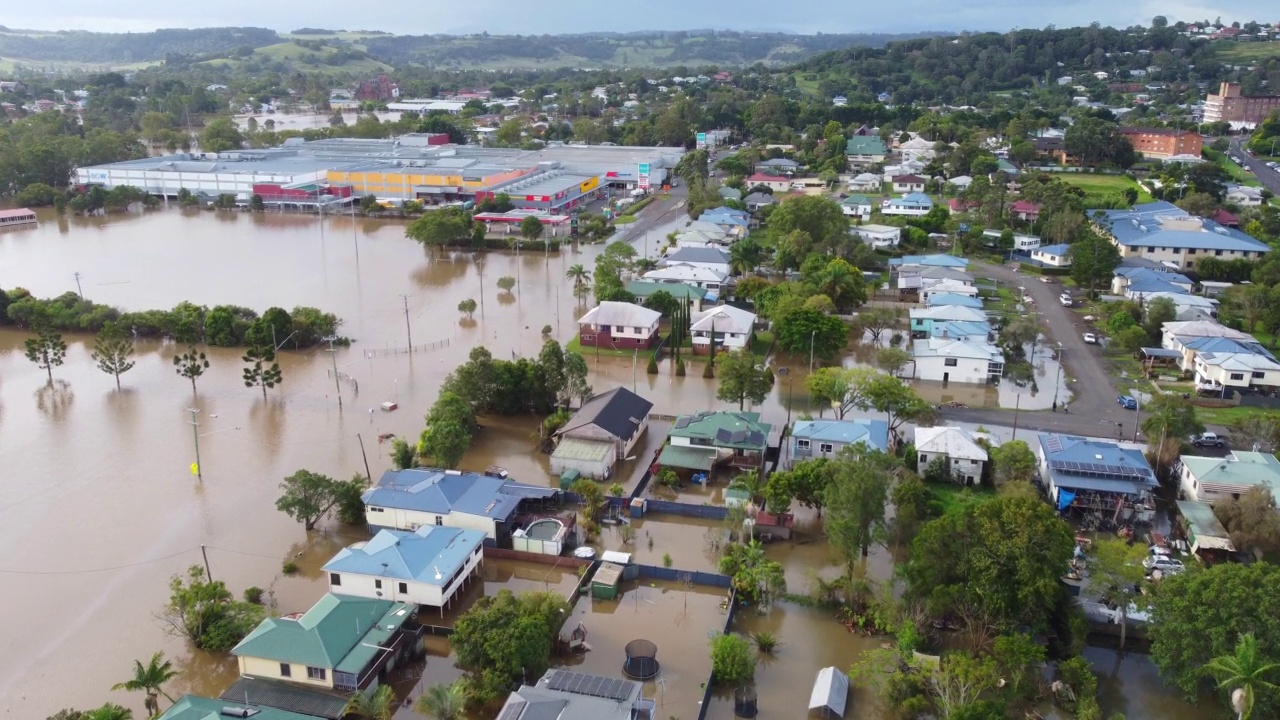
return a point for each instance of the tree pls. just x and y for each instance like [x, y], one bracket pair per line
[1131, 339]
[205, 612]
[510, 132]
[307, 497]
[1244, 673]
[531, 228]
[664, 302]
[1199, 203]
[843, 283]
[1116, 570]
[742, 378]
[1199, 616]
[1249, 302]
[892, 360]
[443, 702]
[1093, 260]
[1158, 312]
[447, 436]
[745, 255]
[467, 306]
[1252, 521]
[899, 401]
[440, 228]
[403, 455]
[576, 386]
[580, 276]
[877, 320]
[381, 704]
[805, 483]
[1169, 415]
[855, 499]
[191, 365]
[732, 662]
[150, 679]
[108, 711]
[1096, 141]
[999, 559]
[220, 135]
[1259, 431]
[112, 350]
[259, 372]
[821, 219]
[755, 576]
[506, 283]
[46, 349]
[806, 330]
[505, 638]
[1013, 461]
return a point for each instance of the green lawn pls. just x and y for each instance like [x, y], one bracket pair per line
[1243, 53]
[954, 497]
[1236, 172]
[1102, 184]
[1225, 415]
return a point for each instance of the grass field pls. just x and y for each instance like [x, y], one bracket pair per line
[954, 497]
[9, 66]
[1102, 184]
[1244, 52]
[302, 59]
[1237, 173]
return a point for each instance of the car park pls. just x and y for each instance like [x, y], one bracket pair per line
[1091, 338]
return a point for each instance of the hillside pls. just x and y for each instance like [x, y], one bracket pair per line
[95, 48]
[309, 56]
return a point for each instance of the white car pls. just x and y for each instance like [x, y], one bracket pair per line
[1066, 300]
[1091, 338]
[1164, 563]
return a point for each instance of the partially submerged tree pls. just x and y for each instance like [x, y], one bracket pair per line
[191, 365]
[46, 349]
[263, 371]
[1116, 571]
[506, 638]
[307, 497]
[742, 378]
[150, 679]
[112, 350]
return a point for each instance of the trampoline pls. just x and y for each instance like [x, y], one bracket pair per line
[642, 660]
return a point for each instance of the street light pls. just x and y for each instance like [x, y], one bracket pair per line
[786, 373]
[812, 335]
[1057, 383]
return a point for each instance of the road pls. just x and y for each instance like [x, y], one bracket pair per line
[1269, 179]
[1093, 409]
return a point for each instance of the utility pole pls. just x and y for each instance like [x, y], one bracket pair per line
[1017, 406]
[407, 329]
[366, 458]
[333, 355]
[812, 336]
[195, 435]
[78, 290]
[208, 572]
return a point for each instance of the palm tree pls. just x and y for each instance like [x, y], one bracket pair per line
[837, 281]
[744, 256]
[579, 275]
[381, 705]
[443, 702]
[109, 712]
[149, 678]
[1243, 670]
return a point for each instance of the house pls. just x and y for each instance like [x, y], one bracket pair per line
[1021, 243]
[1208, 538]
[917, 148]
[962, 298]
[1134, 282]
[757, 200]
[1024, 210]
[732, 329]
[908, 183]
[773, 526]
[839, 101]
[1238, 371]
[342, 643]
[1161, 232]
[1053, 255]
[979, 332]
[733, 222]
[783, 165]
[703, 238]
[708, 229]
[12, 86]
[710, 281]
[957, 448]
[1088, 476]
[425, 567]
[620, 325]
[1183, 303]
[192, 707]
[965, 360]
[1244, 196]
[856, 205]
[1194, 336]
[931, 276]
[692, 296]
[878, 236]
[410, 499]
[865, 182]
[566, 695]
[864, 150]
[826, 438]
[603, 431]
[907, 167]
[960, 182]
[934, 260]
[729, 193]
[705, 439]
[913, 204]
[773, 182]
[709, 258]
[1213, 479]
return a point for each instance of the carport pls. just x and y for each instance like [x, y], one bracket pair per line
[687, 458]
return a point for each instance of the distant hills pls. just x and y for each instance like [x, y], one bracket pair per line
[315, 49]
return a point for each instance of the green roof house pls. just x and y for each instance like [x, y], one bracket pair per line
[702, 440]
[1211, 480]
[863, 150]
[191, 707]
[342, 643]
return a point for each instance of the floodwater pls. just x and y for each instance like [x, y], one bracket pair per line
[100, 508]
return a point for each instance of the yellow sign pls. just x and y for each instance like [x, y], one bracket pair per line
[195, 468]
[589, 185]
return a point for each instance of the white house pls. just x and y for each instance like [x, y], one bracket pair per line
[917, 148]
[856, 206]
[865, 182]
[733, 328]
[1021, 243]
[956, 447]
[1244, 196]
[426, 567]
[699, 277]
[912, 204]
[1213, 479]
[1216, 371]
[773, 182]
[1053, 255]
[410, 499]
[965, 361]
[907, 167]
[960, 182]
[951, 289]
[908, 183]
[709, 258]
[878, 236]
[1190, 337]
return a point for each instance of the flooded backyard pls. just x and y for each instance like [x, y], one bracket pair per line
[99, 508]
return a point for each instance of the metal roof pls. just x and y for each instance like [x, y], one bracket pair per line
[685, 456]
[429, 555]
[1203, 526]
[618, 412]
[445, 491]
[581, 449]
[875, 433]
[830, 691]
[332, 634]
[730, 429]
[192, 707]
[1162, 224]
[307, 702]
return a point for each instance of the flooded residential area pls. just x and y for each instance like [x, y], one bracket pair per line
[100, 507]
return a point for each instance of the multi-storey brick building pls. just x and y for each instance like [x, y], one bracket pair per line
[1230, 106]
[1163, 142]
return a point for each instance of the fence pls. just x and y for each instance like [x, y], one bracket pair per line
[705, 706]
[505, 554]
[712, 512]
[371, 354]
[696, 577]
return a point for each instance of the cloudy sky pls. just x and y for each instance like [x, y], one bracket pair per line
[561, 16]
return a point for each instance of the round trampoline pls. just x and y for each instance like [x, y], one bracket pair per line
[642, 660]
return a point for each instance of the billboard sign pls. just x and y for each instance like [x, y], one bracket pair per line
[702, 140]
[642, 176]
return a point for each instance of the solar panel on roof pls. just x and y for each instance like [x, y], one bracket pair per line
[756, 437]
[738, 436]
[512, 710]
[724, 436]
[682, 422]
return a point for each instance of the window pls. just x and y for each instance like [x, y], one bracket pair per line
[825, 447]
[804, 444]
[315, 673]
[638, 331]
[589, 338]
[335, 579]
[377, 584]
[376, 509]
[1218, 253]
[1237, 376]
[1151, 249]
[286, 670]
[950, 362]
[403, 588]
[1191, 251]
[439, 520]
[1258, 374]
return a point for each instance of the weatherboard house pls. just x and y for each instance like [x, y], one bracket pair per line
[603, 431]
[426, 567]
[1091, 475]
[410, 499]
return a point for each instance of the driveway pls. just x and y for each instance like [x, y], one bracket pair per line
[1093, 407]
[1269, 178]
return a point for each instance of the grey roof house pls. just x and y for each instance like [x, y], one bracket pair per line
[409, 499]
[603, 431]
[565, 695]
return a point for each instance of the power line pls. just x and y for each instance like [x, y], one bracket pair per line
[95, 570]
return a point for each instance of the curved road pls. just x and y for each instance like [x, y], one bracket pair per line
[1093, 407]
[1267, 177]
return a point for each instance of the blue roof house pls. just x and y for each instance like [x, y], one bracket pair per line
[826, 438]
[1052, 255]
[934, 260]
[410, 499]
[1164, 233]
[1093, 476]
[424, 567]
[950, 298]
[912, 204]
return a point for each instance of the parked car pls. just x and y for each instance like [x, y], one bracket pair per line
[1128, 402]
[1091, 338]
[1207, 439]
[1066, 300]
[1164, 563]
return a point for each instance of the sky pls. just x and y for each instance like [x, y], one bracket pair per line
[415, 17]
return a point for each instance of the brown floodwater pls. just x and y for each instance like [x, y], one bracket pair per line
[99, 508]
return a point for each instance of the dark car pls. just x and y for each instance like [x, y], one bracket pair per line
[1127, 402]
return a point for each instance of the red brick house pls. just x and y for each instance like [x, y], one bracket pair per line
[619, 325]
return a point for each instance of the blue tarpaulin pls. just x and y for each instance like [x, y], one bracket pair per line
[1064, 498]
